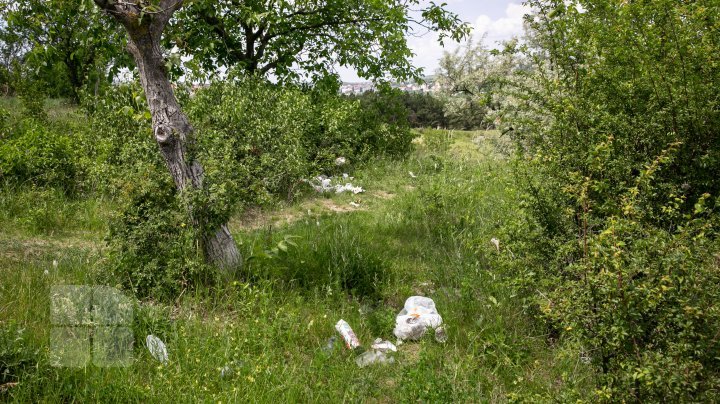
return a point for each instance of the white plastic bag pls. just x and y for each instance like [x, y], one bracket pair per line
[415, 318]
[157, 348]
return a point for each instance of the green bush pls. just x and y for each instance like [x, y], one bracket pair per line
[617, 123]
[33, 100]
[117, 142]
[644, 307]
[34, 153]
[384, 121]
[268, 138]
[425, 110]
[250, 139]
[152, 249]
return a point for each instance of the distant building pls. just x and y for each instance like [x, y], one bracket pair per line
[430, 85]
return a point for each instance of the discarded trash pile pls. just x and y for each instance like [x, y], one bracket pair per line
[417, 316]
[324, 184]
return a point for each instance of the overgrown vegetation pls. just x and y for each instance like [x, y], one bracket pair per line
[427, 235]
[573, 253]
[618, 122]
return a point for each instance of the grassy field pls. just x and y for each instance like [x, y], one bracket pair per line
[426, 233]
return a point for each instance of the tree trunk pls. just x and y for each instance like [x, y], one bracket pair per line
[174, 135]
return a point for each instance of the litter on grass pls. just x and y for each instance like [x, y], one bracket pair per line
[330, 345]
[383, 346]
[157, 348]
[418, 315]
[230, 368]
[372, 357]
[323, 184]
[496, 243]
[351, 340]
[440, 335]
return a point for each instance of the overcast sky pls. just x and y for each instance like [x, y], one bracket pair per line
[497, 19]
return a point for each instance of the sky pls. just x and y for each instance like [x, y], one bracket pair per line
[498, 19]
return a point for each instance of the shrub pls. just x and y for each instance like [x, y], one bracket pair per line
[250, 139]
[385, 124]
[425, 110]
[33, 153]
[619, 112]
[152, 249]
[118, 140]
[33, 100]
[267, 138]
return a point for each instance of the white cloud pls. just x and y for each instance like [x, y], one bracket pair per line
[504, 28]
[428, 51]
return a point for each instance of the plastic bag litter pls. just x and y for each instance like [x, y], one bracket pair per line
[157, 348]
[230, 368]
[416, 317]
[496, 243]
[383, 346]
[330, 345]
[440, 335]
[372, 357]
[323, 184]
[348, 187]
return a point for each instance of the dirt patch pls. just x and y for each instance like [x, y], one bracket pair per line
[332, 206]
[383, 194]
[256, 218]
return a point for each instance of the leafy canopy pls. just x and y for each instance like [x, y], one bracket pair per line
[289, 38]
[63, 43]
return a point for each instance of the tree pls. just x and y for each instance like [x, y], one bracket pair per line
[470, 78]
[288, 37]
[60, 39]
[288, 32]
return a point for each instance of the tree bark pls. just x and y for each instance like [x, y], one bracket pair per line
[171, 128]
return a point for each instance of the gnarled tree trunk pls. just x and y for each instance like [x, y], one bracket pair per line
[171, 127]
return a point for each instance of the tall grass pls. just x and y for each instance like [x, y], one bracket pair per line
[426, 234]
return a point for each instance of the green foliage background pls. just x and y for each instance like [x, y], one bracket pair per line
[617, 128]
